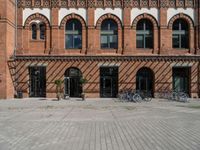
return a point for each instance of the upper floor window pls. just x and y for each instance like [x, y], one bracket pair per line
[73, 34]
[109, 34]
[42, 31]
[180, 34]
[34, 31]
[144, 37]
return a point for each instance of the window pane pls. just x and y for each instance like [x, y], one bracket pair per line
[34, 32]
[77, 41]
[176, 25]
[184, 41]
[140, 41]
[73, 25]
[149, 41]
[184, 25]
[176, 41]
[42, 31]
[109, 24]
[113, 41]
[140, 25]
[148, 25]
[69, 41]
[104, 41]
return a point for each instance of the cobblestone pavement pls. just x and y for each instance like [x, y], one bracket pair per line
[39, 124]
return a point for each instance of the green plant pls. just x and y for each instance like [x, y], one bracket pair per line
[82, 82]
[58, 84]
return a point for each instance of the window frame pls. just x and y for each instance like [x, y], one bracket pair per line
[109, 34]
[73, 33]
[179, 33]
[44, 32]
[145, 33]
[32, 31]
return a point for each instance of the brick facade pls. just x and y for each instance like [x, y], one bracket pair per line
[7, 45]
[52, 54]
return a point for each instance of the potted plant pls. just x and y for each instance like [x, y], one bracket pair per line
[58, 84]
[82, 82]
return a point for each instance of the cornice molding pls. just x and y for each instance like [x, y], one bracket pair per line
[108, 58]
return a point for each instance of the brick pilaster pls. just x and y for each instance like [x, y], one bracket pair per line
[19, 30]
[91, 34]
[55, 45]
[165, 34]
[128, 32]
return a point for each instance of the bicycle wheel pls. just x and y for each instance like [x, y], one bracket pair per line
[183, 97]
[174, 96]
[148, 97]
[137, 98]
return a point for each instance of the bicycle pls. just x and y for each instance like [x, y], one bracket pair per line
[179, 96]
[142, 95]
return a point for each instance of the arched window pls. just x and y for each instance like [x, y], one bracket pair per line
[73, 34]
[42, 31]
[144, 34]
[109, 34]
[180, 34]
[34, 31]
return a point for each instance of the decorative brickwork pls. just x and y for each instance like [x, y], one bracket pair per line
[105, 3]
[108, 16]
[145, 16]
[39, 17]
[182, 16]
[72, 16]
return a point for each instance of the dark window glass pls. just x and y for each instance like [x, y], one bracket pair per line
[34, 31]
[73, 34]
[144, 37]
[180, 34]
[42, 31]
[109, 34]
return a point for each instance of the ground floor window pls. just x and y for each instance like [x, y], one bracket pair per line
[181, 76]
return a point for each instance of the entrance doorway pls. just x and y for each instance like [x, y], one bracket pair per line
[145, 80]
[73, 87]
[181, 82]
[37, 80]
[108, 82]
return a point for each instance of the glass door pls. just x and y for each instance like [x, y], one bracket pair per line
[107, 87]
[37, 80]
[108, 81]
[67, 86]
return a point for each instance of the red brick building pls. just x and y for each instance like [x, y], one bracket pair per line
[115, 44]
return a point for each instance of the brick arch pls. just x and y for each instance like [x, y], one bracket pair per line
[39, 17]
[145, 16]
[147, 68]
[109, 16]
[72, 16]
[181, 16]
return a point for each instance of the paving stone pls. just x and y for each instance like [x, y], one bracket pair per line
[100, 124]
